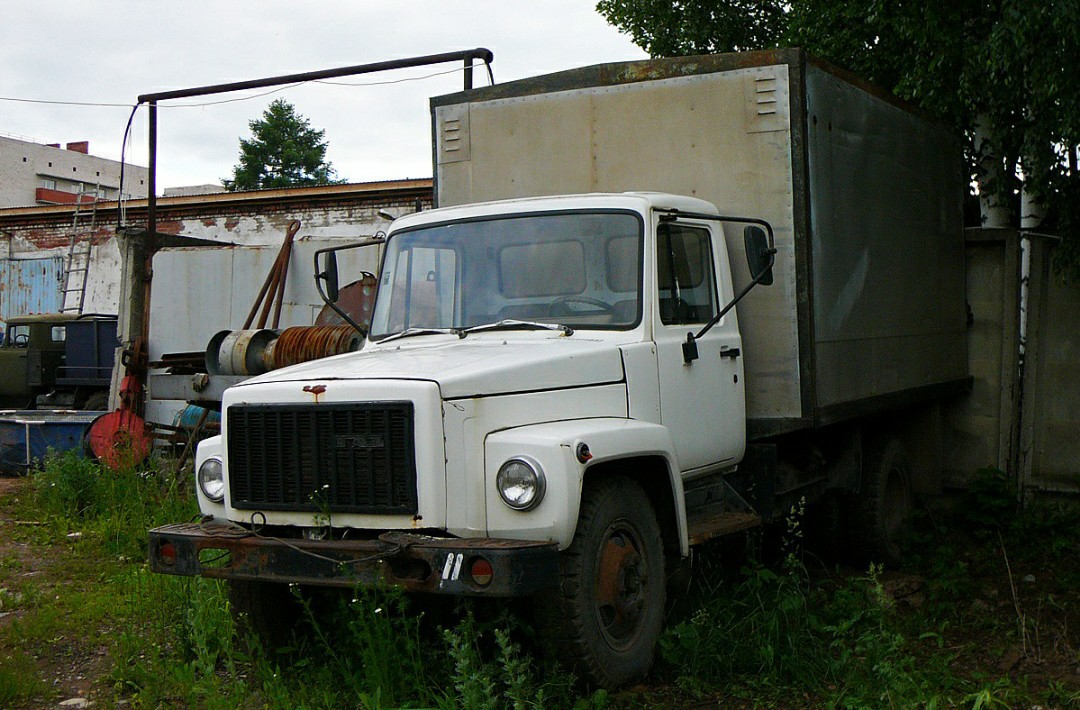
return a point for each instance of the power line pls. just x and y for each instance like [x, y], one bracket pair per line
[65, 103]
[96, 104]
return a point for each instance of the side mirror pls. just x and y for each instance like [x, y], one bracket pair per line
[759, 255]
[327, 272]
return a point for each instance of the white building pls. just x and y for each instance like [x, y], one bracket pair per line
[48, 174]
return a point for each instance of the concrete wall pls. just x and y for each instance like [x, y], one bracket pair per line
[1020, 417]
[335, 213]
[980, 427]
[1049, 439]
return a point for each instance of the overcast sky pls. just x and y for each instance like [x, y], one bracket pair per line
[111, 51]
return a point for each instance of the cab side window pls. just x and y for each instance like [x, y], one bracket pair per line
[18, 336]
[687, 284]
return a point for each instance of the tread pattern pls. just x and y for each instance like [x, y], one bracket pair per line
[565, 619]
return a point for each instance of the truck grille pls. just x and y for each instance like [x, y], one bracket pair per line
[323, 458]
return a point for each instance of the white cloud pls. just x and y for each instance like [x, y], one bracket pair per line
[114, 51]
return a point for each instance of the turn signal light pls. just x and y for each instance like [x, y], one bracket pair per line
[167, 553]
[481, 572]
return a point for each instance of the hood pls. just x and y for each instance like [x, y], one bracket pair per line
[476, 366]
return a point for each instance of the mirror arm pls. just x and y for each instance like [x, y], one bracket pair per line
[318, 280]
[738, 297]
[690, 346]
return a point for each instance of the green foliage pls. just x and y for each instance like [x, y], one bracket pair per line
[1004, 63]
[990, 501]
[18, 682]
[283, 151]
[500, 675]
[116, 507]
[767, 633]
[772, 631]
[667, 29]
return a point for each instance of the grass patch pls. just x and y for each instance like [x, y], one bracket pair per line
[19, 681]
[976, 633]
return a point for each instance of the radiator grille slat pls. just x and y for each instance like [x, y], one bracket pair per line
[323, 458]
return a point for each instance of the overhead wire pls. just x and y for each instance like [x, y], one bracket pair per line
[135, 107]
[103, 104]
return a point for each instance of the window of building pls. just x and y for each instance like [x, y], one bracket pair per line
[48, 183]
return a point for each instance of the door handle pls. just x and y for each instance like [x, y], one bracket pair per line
[730, 352]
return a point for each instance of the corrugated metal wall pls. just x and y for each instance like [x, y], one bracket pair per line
[30, 286]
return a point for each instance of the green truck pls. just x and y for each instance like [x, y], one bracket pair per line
[57, 361]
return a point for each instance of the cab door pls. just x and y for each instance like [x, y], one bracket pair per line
[702, 402]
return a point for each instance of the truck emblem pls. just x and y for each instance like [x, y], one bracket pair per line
[354, 442]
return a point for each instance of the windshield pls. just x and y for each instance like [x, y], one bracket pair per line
[580, 269]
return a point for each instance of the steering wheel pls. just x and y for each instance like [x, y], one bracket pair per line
[22, 339]
[559, 305]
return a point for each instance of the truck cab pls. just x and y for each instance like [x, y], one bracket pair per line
[54, 360]
[526, 369]
[31, 353]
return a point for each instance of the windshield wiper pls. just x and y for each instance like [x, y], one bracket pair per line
[509, 323]
[408, 332]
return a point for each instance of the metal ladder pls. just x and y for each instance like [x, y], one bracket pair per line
[77, 264]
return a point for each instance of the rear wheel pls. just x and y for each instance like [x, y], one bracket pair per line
[609, 612]
[885, 503]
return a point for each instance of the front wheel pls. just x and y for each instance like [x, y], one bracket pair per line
[266, 611]
[609, 612]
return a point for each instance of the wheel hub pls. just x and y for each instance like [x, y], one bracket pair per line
[621, 588]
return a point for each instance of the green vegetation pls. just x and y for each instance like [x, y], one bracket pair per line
[995, 71]
[283, 151]
[965, 626]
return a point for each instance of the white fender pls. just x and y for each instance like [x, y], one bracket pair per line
[554, 446]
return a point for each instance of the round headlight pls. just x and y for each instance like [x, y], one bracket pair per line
[521, 483]
[212, 479]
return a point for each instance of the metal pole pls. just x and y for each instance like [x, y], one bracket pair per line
[151, 181]
[468, 55]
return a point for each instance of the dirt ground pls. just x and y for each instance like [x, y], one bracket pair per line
[71, 665]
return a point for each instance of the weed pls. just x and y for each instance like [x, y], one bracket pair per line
[372, 644]
[492, 672]
[115, 506]
[990, 502]
[19, 681]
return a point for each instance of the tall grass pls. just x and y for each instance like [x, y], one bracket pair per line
[773, 631]
[176, 643]
[770, 632]
[116, 506]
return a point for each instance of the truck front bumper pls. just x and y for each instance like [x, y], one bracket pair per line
[416, 563]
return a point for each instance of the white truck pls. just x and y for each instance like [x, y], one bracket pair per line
[558, 401]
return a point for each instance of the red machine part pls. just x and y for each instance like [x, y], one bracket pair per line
[119, 439]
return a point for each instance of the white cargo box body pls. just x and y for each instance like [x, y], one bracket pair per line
[867, 311]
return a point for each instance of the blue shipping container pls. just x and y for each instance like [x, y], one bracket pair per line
[26, 436]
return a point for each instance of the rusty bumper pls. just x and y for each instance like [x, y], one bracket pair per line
[416, 563]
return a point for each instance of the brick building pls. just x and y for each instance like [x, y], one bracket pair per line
[48, 235]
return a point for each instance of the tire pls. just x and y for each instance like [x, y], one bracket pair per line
[885, 503]
[97, 401]
[267, 611]
[608, 614]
